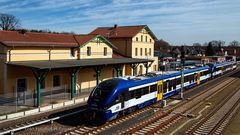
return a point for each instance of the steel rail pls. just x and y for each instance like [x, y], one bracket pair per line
[40, 123]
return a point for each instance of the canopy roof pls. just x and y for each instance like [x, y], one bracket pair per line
[57, 64]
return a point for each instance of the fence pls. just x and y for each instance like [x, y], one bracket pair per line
[19, 101]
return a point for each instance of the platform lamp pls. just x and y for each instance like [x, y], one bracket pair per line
[182, 70]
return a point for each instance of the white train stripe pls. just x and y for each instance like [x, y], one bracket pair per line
[142, 86]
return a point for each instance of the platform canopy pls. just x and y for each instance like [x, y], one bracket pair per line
[58, 64]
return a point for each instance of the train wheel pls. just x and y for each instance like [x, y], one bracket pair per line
[132, 109]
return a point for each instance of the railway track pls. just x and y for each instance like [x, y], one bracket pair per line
[163, 118]
[160, 122]
[97, 129]
[215, 121]
[15, 128]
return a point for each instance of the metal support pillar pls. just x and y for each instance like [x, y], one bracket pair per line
[146, 65]
[118, 68]
[182, 82]
[134, 67]
[73, 83]
[98, 71]
[40, 76]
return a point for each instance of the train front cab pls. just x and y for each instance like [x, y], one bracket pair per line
[160, 90]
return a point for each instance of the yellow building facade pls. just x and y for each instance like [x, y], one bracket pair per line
[12, 76]
[133, 42]
[51, 54]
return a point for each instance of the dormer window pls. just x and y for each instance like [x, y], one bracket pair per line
[146, 39]
[136, 38]
[141, 38]
[150, 40]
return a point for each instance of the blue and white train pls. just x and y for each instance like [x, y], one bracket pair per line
[125, 94]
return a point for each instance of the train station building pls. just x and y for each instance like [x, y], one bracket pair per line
[36, 65]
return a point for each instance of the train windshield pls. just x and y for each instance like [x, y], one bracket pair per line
[104, 89]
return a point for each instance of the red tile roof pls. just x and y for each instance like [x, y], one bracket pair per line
[83, 39]
[121, 31]
[15, 38]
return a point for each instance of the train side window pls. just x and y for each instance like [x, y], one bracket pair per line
[126, 95]
[145, 90]
[178, 81]
[170, 84]
[174, 83]
[185, 78]
[153, 88]
[192, 78]
[195, 76]
[132, 94]
[165, 86]
[138, 93]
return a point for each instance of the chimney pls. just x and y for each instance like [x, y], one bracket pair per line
[115, 25]
[22, 31]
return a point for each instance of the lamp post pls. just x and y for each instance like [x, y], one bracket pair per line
[182, 70]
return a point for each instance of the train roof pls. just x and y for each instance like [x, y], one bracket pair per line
[223, 63]
[130, 81]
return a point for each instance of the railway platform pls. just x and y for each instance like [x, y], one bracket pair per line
[13, 110]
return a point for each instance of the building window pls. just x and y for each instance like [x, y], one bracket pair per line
[56, 80]
[150, 40]
[136, 51]
[88, 51]
[141, 50]
[42, 83]
[146, 39]
[145, 51]
[105, 51]
[136, 38]
[21, 85]
[155, 68]
[141, 38]
[150, 51]
[72, 52]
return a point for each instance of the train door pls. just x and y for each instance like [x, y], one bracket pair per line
[160, 91]
[198, 77]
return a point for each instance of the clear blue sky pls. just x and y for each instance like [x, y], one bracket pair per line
[176, 21]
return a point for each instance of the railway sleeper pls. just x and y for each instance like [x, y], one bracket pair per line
[73, 133]
[81, 132]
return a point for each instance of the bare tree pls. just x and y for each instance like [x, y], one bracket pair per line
[8, 22]
[234, 43]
